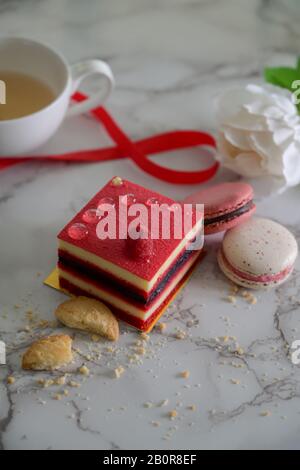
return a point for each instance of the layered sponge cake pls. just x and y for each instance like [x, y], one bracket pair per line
[131, 248]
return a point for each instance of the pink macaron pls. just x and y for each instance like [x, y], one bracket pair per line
[258, 254]
[225, 205]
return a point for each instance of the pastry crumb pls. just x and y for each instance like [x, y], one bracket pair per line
[234, 289]
[57, 396]
[156, 424]
[161, 326]
[74, 384]
[192, 407]
[11, 380]
[60, 380]
[265, 413]
[224, 339]
[245, 293]
[83, 370]
[164, 402]
[180, 334]
[185, 374]
[173, 414]
[141, 351]
[95, 338]
[45, 382]
[240, 351]
[119, 371]
[144, 336]
[148, 404]
[235, 381]
[231, 299]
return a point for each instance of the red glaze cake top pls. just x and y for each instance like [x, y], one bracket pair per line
[142, 258]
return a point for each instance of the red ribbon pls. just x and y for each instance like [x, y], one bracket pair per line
[138, 151]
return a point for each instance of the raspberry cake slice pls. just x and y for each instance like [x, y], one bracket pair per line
[137, 274]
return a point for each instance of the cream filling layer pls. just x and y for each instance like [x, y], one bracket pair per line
[121, 304]
[122, 273]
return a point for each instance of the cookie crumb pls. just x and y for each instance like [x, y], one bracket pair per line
[11, 380]
[192, 407]
[141, 351]
[60, 380]
[156, 424]
[57, 397]
[234, 289]
[148, 404]
[45, 382]
[185, 374]
[180, 334]
[95, 338]
[164, 402]
[265, 413]
[161, 326]
[144, 336]
[224, 339]
[173, 414]
[240, 351]
[119, 371]
[74, 384]
[83, 370]
[245, 293]
[235, 381]
[252, 300]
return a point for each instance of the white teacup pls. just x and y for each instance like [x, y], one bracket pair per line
[25, 134]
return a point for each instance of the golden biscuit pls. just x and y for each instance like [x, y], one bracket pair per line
[48, 353]
[89, 315]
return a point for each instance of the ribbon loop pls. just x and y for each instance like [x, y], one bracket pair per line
[138, 151]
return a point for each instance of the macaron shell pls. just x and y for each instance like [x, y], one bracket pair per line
[247, 284]
[230, 223]
[223, 199]
[260, 247]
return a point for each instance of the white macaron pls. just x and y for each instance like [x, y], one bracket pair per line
[258, 254]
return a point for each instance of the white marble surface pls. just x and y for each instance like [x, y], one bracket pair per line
[169, 58]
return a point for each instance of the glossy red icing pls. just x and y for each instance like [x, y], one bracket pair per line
[116, 250]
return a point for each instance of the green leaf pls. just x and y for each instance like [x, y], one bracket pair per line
[283, 77]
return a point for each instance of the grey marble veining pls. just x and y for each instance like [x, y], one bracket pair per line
[170, 58]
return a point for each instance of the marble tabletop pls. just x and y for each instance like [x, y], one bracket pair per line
[169, 58]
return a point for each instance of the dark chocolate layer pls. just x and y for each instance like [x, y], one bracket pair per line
[97, 276]
[230, 215]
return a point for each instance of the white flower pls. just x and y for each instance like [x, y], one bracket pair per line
[259, 134]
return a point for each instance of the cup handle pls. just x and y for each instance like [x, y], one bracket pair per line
[80, 72]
